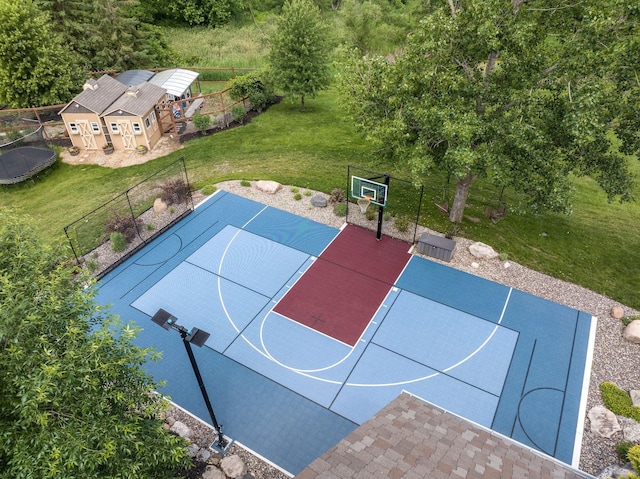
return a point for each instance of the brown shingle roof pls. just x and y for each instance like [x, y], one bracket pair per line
[100, 94]
[412, 439]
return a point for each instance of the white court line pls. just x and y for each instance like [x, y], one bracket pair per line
[462, 361]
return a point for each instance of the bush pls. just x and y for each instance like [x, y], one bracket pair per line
[402, 223]
[633, 455]
[618, 401]
[174, 191]
[297, 197]
[340, 209]
[370, 214]
[239, 113]
[337, 196]
[201, 121]
[124, 224]
[256, 87]
[622, 448]
[118, 241]
[245, 183]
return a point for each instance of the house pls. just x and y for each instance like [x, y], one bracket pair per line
[109, 112]
[83, 115]
[131, 120]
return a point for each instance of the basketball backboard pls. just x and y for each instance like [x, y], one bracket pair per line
[363, 187]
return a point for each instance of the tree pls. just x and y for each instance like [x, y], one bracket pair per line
[74, 401]
[35, 69]
[299, 57]
[527, 93]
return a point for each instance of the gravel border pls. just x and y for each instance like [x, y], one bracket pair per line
[614, 359]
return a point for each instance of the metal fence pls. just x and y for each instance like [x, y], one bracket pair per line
[108, 235]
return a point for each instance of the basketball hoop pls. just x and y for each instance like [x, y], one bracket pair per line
[364, 203]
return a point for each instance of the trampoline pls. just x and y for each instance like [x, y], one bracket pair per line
[24, 158]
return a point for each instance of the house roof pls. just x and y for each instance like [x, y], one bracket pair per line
[134, 77]
[137, 100]
[411, 438]
[176, 81]
[97, 95]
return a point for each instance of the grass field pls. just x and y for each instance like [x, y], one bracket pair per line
[598, 246]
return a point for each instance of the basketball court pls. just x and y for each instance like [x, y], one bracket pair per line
[314, 330]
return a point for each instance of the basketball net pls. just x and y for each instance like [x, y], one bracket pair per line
[364, 203]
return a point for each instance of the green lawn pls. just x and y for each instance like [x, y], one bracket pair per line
[598, 246]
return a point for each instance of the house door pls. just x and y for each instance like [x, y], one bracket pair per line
[87, 136]
[126, 133]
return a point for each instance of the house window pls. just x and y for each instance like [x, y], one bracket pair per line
[153, 116]
[95, 127]
[73, 128]
[137, 129]
[147, 123]
[114, 128]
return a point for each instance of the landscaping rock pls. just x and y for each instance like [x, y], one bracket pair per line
[270, 187]
[617, 312]
[159, 206]
[212, 472]
[203, 455]
[181, 430]
[615, 472]
[632, 331]
[192, 450]
[630, 429]
[603, 422]
[635, 397]
[319, 201]
[483, 251]
[233, 466]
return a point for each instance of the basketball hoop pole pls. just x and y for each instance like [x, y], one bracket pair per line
[381, 212]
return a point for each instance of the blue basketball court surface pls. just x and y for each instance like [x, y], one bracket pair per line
[289, 390]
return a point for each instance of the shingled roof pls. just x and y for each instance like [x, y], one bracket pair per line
[98, 95]
[137, 100]
[412, 439]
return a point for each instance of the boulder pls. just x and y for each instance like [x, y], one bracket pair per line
[617, 312]
[630, 429]
[603, 422]
[159, 206]
[632, 331]
[615, 472]
[192, 450]
[635, 397]
[233, 466]
[271, 187]
[481, 250]
[181, 429]
[203, 455]
[318, 201]
[212, 472]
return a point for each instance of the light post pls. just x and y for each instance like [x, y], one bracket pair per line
[197, 337]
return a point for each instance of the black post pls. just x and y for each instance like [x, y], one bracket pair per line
[222, 442]
[381, 211]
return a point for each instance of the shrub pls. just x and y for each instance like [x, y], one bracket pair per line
[124, 224]
[294, 189]
[340, 209]
[386, 216]
[245, 183]
[504, 256]
[118, 241]
[402, 223]
[208, 190]
[297, 197]
[627, 319]
[201, 121]
[337, 196]
[174, 191]
[622, 448]
[633, 455]
[370, 214]
[239, 113]
[258, 101]
[308, 193]
[256, 87]
[618, 401]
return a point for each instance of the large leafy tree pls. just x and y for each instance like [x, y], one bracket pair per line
[74, 401]
[35, 68]
[299, 57]
[526, 92]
